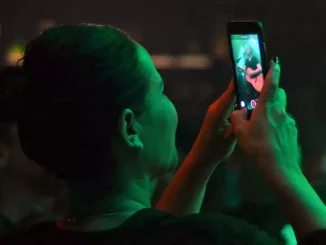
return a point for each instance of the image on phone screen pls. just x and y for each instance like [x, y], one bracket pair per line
[248, 66]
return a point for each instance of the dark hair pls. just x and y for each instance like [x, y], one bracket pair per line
[11, 92]
[80, 78]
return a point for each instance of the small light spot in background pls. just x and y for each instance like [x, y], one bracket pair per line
[221, 49]
[15, 54]
[182, 62]
[163, 61]
[46, 24]
[194, 61]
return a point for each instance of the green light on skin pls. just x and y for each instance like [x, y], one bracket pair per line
[288, 234]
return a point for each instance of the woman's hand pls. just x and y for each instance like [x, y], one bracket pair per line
[215, 142]
[270, 137]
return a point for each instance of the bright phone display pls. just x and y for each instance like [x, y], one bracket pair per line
[247, 63]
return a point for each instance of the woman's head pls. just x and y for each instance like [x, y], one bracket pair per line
[95, 103]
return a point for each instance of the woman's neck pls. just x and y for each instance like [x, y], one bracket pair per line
[104, 206]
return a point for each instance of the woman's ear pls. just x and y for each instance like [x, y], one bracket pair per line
[129, 129]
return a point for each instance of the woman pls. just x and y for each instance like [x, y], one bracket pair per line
[96, 115]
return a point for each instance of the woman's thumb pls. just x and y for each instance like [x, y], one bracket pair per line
[239, 121]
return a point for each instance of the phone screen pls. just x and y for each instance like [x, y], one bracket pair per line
[247, 62]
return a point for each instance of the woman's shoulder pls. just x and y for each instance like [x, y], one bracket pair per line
[203, 228]
[151, 226]
[223, 229]
[316, 238]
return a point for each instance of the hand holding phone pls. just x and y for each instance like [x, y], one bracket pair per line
[249, 63]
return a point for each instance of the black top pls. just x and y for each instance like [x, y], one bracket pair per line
[252, 63]
[315, 238]
[150, 226]
[268, 217]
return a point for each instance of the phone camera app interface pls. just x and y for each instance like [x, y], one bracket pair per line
[249, 73]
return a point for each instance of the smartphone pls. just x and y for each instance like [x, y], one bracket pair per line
[249, 62]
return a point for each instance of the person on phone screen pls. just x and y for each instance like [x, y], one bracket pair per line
[253, 71]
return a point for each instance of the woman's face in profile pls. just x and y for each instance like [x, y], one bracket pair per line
[159, 121]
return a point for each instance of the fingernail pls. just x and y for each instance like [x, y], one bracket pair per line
[275, 60]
